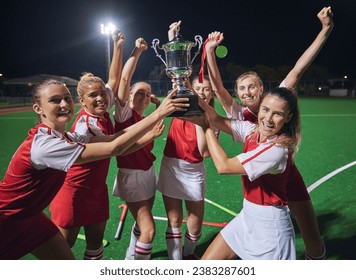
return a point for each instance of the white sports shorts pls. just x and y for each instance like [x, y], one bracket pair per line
[134, 185]
[182, 180]
[261, 233]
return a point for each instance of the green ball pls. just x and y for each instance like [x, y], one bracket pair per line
[221, 51]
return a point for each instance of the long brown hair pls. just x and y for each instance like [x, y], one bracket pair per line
[290, 134]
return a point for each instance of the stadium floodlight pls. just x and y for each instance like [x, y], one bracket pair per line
[107, 30]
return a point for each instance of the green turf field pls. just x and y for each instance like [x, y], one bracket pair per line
[328, 148]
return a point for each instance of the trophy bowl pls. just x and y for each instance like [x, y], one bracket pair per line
[179, 67]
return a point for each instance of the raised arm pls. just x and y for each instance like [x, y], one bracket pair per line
[223, 164]
[173, 28]
[155, 132]
[129, 69]
[226, 100]
[217, 121]
[121, 142]
[116, 62]
[326, 18]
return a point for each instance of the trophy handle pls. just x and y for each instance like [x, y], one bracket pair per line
[198, 40]
[155, 45]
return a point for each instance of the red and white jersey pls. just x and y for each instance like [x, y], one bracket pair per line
[92, 173]
[242, 113]
[296, 188]
[37, 170]
[182, 142]
[266, 164]
[91, 125]
[141, 159]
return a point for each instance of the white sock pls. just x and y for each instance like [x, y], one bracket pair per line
[190, 242]
[135, 234]
[94, 254]
[143, 251]
[174, 243]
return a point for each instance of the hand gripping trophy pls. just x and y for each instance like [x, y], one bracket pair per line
[179, 67]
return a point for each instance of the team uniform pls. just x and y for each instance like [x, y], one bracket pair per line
[33, 178]
[136, 179]
[83, 199]
[182, 174]
[263, 229]
[296, 188]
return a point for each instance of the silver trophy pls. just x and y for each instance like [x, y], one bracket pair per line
[179, 67]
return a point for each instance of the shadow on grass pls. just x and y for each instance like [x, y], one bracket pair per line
[333, 229]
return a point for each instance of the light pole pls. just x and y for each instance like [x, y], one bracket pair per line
[107, 30]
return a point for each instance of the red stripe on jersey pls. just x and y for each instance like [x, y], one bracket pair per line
[256, 155]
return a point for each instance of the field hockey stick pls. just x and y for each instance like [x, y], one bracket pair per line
[121, 222]
[213, 224]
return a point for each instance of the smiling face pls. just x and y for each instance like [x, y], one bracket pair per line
[249, 91]
[140, 97]
[55, 106]
[203, 89]
[94, 99]
[273, 114]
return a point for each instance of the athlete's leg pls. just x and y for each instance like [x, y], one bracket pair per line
[303, 213]
[219, 250]
[141, 211]
[174, 212]
[70, 234]
[195, 215]
[94, 235]
[55, 248]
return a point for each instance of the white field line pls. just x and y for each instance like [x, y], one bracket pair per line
[328, 176]
[328, 115]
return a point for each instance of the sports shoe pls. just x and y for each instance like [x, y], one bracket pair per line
[191, 257]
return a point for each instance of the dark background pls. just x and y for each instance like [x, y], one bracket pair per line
[63, 37]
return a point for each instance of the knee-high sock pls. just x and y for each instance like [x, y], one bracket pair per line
[135, 234]
[143, 251]
[94, 254]
[190, 242]
[174, 243]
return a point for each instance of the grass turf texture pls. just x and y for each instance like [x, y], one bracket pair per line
[329, 133]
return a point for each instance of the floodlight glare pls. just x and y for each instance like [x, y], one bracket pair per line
[107, 29]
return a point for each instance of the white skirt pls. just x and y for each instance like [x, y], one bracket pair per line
[261, 233]
[182, 180]
[134, 185]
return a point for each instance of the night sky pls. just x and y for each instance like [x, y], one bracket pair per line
[63, 37]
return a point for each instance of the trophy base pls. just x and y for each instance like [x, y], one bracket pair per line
[193, 109]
